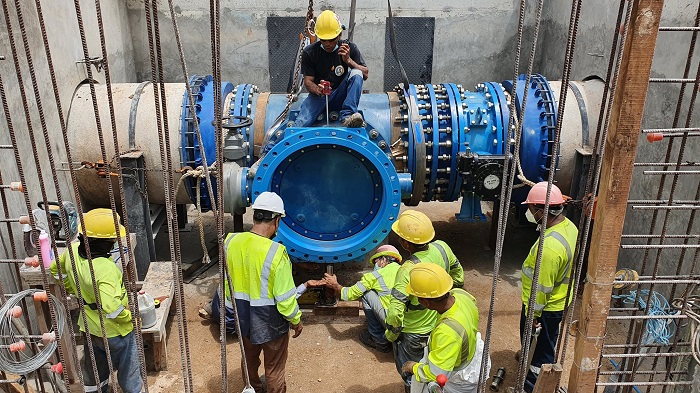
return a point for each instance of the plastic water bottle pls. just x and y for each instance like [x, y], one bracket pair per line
[45, 247]
[147, 309]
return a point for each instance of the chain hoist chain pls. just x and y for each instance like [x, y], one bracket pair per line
[295, 88]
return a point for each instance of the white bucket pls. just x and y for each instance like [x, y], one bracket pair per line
[147, 309]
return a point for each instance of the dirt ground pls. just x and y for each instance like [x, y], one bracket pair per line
[329, 356]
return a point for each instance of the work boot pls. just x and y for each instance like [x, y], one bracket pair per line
[205, 311]
[353, 121]
[369, 341]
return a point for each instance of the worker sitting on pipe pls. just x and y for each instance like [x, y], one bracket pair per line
[374, 288]
[408, 322]
[336, 61]
[455, 347]
[93, 251]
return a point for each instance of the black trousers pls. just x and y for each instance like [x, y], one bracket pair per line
[546, 342]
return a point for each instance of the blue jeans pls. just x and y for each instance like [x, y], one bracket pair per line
[345, 98]
[230, 316]
[409, 346]
[546, 343]
[375, 314]
[125, 360]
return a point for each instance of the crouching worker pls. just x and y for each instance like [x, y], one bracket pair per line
[455, 347]
[374, 288]
[99, 235]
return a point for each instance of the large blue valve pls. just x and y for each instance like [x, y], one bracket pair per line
[343, 187]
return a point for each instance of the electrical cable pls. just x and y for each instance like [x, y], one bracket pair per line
[20, 362]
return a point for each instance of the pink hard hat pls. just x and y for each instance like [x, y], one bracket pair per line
[386, 250]
[538, 195]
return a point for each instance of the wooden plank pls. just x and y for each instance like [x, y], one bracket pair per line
[159, 282]
[617, 167]
[548, 379]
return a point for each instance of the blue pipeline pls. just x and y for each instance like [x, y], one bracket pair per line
[201, 89]
[343, 187]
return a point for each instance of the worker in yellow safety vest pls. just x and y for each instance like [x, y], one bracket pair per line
[97, 239]
[455, 347]
[374, 289]
[554, 275]
[264, 292]
[408, 322]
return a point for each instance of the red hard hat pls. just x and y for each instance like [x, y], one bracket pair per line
[538, 195]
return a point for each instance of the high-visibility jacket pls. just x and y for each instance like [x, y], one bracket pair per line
[440, 253]
[405, 314]
[380, 280]
[452, 343]
[263, 288]
[115, 306]
[555, 269]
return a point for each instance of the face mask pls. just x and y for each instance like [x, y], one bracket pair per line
[377, 267]
[530, 217]
[335, 49]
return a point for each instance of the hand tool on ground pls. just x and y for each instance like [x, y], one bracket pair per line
[326, 91]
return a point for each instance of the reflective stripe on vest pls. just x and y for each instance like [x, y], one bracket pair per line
[380, 280]
[459, 329]
[264, 300]
[530, 272]
[443, 253]
[564, 280]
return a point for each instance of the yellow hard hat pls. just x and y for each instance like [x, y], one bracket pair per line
[99, 224]
[428, 280]
[414, 227]
[327, 25]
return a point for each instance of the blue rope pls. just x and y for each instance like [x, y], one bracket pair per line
[659, 330]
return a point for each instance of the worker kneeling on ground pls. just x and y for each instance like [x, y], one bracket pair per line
[555, 272]
[408, 322]
[455, 347]
[338, 62]
[264, 292]
[374, 288]
[99, 235]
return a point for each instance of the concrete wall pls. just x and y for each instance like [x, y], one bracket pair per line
[66, 49]
[596, 30]
[474, 41]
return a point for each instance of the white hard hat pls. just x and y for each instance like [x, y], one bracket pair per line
[269, 201]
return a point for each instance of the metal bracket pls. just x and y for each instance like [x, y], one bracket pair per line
[98, 62]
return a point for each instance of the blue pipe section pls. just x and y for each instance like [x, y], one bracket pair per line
[343, 187]
[202, 88]
[341, 192]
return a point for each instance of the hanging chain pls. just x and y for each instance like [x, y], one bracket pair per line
[308, 32]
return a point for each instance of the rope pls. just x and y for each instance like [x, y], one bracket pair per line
[658, 331]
